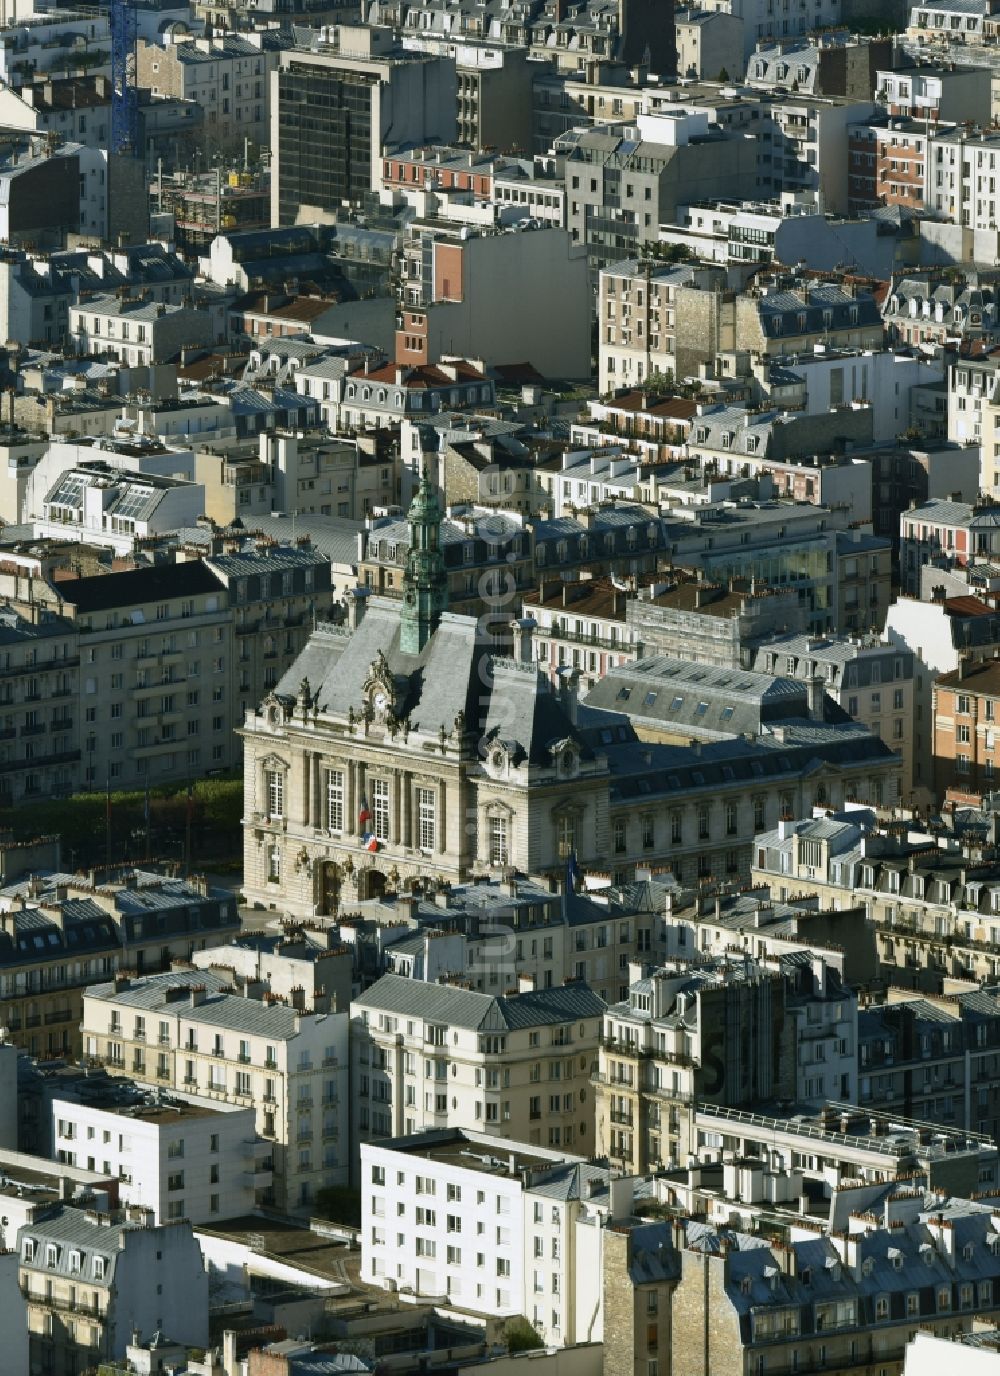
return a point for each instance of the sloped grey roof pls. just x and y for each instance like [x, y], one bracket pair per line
[453, 674]
[458, 1007]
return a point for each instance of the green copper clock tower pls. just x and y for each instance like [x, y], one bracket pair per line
[425, 582]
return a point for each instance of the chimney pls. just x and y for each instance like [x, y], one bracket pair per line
[230, 1363]
[814, 690]
[357, 605]
[569, 691]
[523, 635]
[197, 995]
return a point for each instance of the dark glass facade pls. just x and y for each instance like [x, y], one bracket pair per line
[325, 137]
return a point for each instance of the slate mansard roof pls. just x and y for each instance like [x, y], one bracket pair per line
[458, 1007]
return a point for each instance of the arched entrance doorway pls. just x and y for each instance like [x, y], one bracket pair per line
[371, 884]
[329, 888]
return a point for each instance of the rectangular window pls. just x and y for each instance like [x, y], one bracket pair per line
[498, 841]
[380, 809]
[335, 800]
[426, 818]
[274, 789]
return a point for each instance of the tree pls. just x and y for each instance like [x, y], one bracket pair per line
[723, 74]
[521, 1336]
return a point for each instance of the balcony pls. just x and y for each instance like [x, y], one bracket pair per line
[624, 1120]
[37, 761]
[62, 1303]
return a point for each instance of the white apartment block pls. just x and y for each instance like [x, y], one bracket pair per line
[56, 44]
[180, 1157]
[136, 332]
[963, 179]
[490, 1226]
[444, 1056]
[778, 18]
[185, 1031]
[971, 387]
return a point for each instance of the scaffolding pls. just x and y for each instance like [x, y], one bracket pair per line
[124, 94]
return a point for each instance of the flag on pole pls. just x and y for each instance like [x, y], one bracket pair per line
[370, 842]
[365, 814]
[572, 872]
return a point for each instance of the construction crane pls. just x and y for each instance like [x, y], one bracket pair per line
[124, 95]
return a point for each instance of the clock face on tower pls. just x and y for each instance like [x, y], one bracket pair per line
[380, 700]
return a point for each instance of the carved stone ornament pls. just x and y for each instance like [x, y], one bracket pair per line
[380, 691]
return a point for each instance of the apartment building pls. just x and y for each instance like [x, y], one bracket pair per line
[167, 704]
[932, 1059]
[950, 534]
[136, 332]
[940, 92]
[580, 625]
[624, 180]
[639, 311]
[305, 965]
[934, 916]
[835, 1300]
[39, 686]
[91, 1281]
[931, 310]
[490, 1226]
[274, 594]
[873, 682]
[93, 501]
[715, 921]
[501, 935]
[59, 44]
[456, 301]
[177, 1156]
[731, 1032]
[841, 1145]
[440, 1056]
[964, 708]
[961, 173]
[157, 674]
[717, 622]
[60, 933]
[365, 93]
[185, 1030]
[228, 75]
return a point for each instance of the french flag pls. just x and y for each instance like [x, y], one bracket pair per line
[364, 815]
[370, 842]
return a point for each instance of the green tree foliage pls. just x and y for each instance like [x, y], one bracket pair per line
[521, 1336]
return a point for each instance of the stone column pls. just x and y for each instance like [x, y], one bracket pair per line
[406, 839]
[395, 807]
[351, 801]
